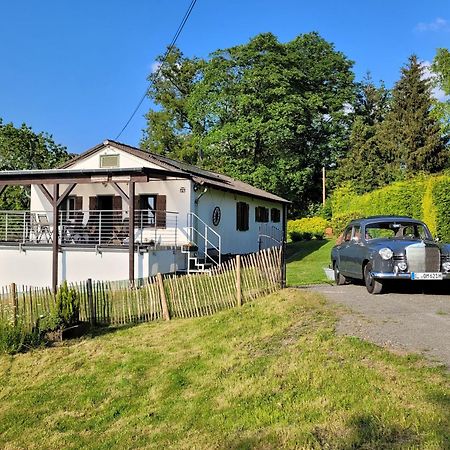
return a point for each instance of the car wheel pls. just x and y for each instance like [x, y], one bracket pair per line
[338, 277]
[373, 286]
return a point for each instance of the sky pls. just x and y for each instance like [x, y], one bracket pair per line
[77, 69]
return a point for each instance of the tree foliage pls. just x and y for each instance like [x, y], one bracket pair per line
[21, 149]
[269, 113]
[410, 136]
[364, 164]
[395, 135]
[441, 68]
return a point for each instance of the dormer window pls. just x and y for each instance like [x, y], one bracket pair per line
[109, 161]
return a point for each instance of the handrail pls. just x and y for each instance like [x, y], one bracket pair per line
[204, 237]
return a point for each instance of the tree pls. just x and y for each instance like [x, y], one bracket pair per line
[364, 164]
[441, 67]
[266, 112]
[410, 137]
[21, 149]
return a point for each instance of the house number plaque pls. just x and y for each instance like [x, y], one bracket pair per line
[216, 216]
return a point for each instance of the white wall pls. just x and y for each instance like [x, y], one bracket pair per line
[125, 160]
[233, 241]
[33, 267]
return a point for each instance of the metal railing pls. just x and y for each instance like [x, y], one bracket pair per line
[91, 228]
[209, 242]
[269, 236]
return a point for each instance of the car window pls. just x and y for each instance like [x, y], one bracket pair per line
[357, 232]
[398, 230]
[348, 234]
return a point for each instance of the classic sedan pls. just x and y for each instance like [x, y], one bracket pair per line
[375, 249]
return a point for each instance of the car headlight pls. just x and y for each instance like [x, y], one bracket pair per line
[386, 253]
[402, 266]
[446, 266]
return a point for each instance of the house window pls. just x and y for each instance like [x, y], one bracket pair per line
[69, 207]
[146, 210]
[275, 215]
[242, 210]
[261, 214]
[109, 161]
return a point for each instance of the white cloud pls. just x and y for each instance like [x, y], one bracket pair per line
[436, 92]
[438, 24]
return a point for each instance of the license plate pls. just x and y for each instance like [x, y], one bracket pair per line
[426, 276]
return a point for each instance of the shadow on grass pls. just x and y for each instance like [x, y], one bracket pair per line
[296, 251]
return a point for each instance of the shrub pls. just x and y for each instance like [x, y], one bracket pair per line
[339, 222]
[15, 338]
[307, 228]
[441, 201]
[67, 306]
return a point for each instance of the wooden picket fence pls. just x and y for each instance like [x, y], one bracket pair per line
[235, 282]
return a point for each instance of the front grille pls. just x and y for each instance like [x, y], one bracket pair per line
[423, 259]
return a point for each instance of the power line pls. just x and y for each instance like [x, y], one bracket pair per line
[169, 49]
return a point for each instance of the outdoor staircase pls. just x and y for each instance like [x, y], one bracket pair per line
[205, 251]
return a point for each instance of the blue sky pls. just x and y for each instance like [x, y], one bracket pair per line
[77, 69]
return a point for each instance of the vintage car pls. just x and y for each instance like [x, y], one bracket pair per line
[380, 248]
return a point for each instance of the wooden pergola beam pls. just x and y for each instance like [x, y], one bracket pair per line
[55, 243]
[131, 192]
[67, 192]
[44, 190]
[120, 191]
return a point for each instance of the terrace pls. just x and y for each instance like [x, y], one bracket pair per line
[91, 228]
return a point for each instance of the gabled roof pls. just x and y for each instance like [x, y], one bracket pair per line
[201, 176]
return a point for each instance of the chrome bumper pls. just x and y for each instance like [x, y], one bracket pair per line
[401, 276]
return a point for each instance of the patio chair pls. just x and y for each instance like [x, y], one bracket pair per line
[44, 228]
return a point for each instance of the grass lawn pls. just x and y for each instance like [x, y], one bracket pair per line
[272, 374]
[306, 260]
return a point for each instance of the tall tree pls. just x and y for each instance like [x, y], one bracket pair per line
[364, 164]
[21, 149]
[267, 112]
[411, 137]
[441, 67]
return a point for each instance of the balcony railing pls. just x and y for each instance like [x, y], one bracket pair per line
[92, 228]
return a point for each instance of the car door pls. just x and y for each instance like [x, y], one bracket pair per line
[356, 253]
[344, 251]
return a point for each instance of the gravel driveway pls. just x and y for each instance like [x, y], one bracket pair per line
[415, 318]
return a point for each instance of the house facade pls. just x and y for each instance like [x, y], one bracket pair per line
[116, 212]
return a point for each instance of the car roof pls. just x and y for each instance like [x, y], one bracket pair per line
[379, 219]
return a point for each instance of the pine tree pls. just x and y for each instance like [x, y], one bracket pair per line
[364, 164]
[410, 137]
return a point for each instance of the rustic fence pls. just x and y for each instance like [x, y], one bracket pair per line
[235, 282]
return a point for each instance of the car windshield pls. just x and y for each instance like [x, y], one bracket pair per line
[396, 230]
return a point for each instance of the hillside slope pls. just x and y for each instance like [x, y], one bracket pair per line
[272, 374]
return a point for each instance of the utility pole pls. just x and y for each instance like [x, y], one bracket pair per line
[324, 194]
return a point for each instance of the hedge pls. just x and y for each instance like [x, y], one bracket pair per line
[424, 198]
[306, 228]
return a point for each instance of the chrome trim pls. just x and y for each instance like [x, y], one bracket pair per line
[401, 276]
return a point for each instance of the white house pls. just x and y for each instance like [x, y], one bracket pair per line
[82, 224]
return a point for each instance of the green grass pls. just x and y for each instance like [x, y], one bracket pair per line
[272, 374]
[306, 260]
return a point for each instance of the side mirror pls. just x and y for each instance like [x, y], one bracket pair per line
[356, 239]
[436, 239]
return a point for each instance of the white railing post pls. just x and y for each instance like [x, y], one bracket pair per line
[206, 243]
[6, 227]
[100, 228]
[24, 227]
[176, 230]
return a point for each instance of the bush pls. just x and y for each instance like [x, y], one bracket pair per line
[307, 228]
[67, 307]
[16, 339]
[339, 222]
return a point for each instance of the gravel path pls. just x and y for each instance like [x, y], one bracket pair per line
[412, 319]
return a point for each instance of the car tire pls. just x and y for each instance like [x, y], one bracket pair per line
[338, 277]
[373, 286]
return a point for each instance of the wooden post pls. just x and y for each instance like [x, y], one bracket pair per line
[15, 303]
[162, 294]
[131, 193]
[238, 280]
[55, 244]
[90, 297]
